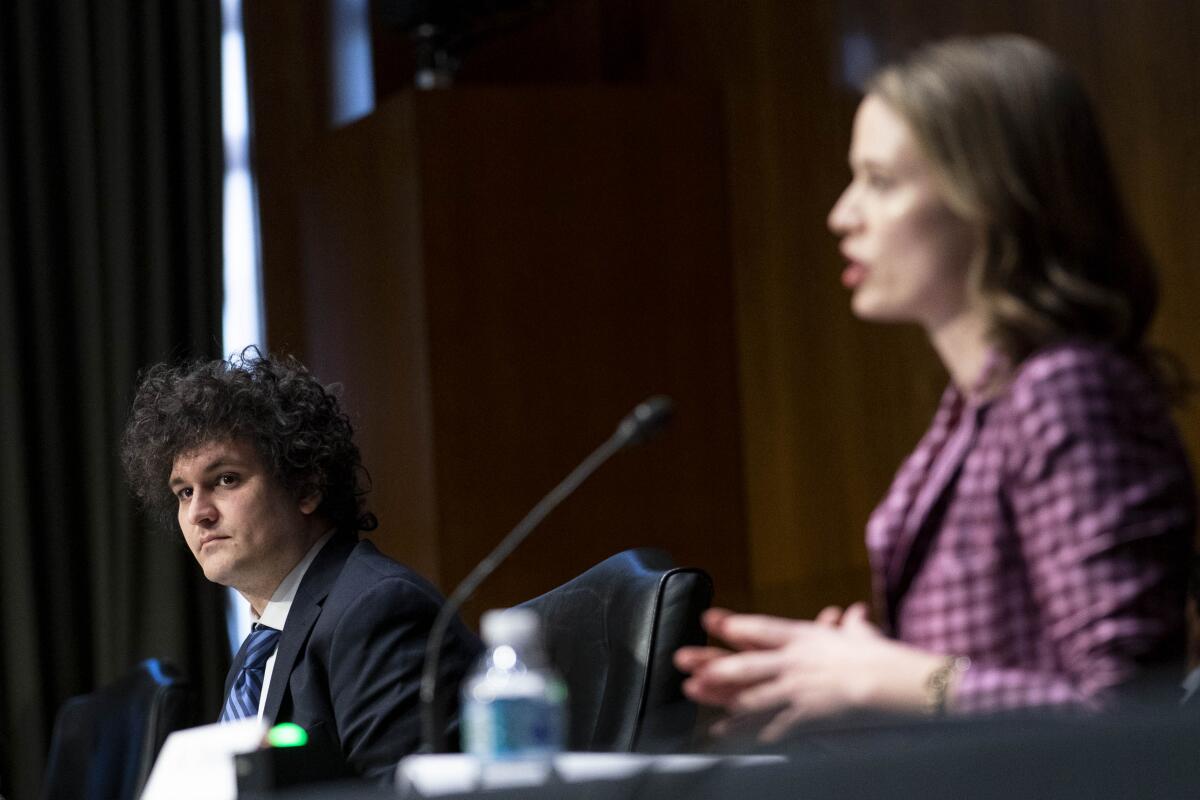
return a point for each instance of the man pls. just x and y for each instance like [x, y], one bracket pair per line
[255, 461]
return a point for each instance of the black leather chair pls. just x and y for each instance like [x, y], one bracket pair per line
[105, 743]
[612, 632]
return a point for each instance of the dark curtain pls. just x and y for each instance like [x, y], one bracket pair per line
[110, 255]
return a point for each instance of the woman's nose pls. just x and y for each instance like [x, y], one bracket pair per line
[843, 214]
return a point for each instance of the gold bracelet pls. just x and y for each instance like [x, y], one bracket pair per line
[937, 685]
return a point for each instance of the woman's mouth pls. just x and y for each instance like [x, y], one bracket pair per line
[854, 274]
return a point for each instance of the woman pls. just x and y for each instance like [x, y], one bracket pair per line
[1032, 550]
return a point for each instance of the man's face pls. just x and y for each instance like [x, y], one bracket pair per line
[243, 526]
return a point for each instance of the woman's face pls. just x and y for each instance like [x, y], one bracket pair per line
[907, 253]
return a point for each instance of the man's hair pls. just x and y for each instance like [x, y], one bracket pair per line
[1012, 135]
[295, 424]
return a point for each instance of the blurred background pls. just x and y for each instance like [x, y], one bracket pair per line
[499, 225]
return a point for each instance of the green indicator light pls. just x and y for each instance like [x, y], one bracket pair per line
[287, 734]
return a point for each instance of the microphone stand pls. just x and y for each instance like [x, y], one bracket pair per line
[638, 426]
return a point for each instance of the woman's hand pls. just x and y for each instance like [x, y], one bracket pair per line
[796, 670]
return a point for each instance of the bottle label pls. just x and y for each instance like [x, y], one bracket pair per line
[513, 727]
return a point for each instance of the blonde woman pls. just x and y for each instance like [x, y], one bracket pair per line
[1033, 548]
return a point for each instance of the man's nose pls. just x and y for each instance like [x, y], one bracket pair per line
[201, 510]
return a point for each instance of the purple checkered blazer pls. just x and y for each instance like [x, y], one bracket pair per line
[1043, 531]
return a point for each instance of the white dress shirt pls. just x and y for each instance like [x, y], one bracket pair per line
[276, 613]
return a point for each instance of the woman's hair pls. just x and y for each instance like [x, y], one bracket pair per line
[295, 424]
[1014, 140]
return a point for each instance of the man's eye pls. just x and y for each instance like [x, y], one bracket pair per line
[184, 494]
[228, 479]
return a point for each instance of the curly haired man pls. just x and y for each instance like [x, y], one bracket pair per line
[255, 461]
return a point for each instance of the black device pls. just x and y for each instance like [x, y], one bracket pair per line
[443, 31]
[313, 757]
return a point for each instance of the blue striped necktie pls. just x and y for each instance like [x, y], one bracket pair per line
[247, 686]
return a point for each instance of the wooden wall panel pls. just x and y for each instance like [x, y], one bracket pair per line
[495, 317]
[368, 331]
[829, 405]
[287, 62]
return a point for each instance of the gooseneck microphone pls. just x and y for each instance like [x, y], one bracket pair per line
[638, 426]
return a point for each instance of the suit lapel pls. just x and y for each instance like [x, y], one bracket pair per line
[929, 506]
[904, 527]
[306, 608]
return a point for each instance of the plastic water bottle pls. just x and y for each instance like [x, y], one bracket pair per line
[513, 703]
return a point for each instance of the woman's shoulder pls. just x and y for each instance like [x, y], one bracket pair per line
[1079, 365]
[1080, 378]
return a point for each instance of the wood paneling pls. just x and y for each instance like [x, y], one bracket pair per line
[287, 62]
[494, 317]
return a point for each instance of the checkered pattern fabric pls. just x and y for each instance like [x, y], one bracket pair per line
[1043, 532]
[247, 686]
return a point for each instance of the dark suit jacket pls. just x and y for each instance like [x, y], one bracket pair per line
[348, 666]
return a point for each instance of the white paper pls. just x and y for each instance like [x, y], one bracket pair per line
[433, 775]
[438, 774]
[198, 762]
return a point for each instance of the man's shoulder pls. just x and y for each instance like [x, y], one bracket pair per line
[367, 570]
[366, 553]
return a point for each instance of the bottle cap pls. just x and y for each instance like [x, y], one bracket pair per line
[514, 626]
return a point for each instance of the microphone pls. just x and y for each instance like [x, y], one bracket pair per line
[639, 425]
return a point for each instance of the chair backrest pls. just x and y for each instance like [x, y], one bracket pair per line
[1191, 690]
[104, 743]
[612, 632]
